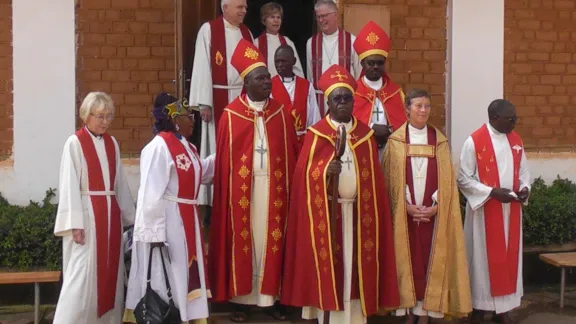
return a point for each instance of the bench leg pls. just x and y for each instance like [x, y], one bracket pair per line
[36, 303]
[562, 286]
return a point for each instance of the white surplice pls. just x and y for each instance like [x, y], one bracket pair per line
[78, 302]
[258, 211]
[312, 110]
[273, 44]
[419, 175]
[347, 192]
[474, 230]
[378, 112]
[201, 87]
[158, 219]
[330, 57]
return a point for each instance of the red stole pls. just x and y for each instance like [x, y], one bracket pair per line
[187, 190]
[421, 234]
[219, 63]
[344, 59]
[230, 264]
[312, 261]
[108, 236]
[391, 97]
[263, 44]
[298, 109]
[502, 261]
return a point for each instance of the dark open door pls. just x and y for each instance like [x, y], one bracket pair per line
[190, 15]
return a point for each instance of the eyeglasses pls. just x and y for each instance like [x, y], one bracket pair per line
[102, 117]
[512, 119]
[324, 16]
[377, 62]
[342, 98]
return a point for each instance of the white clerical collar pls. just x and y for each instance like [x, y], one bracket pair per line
[494, 132]
[347, 125]
[287, 80]
[92, 134]
[335, 34]
[374, 85]
[256, 105]
[416, 131]
[227, 24]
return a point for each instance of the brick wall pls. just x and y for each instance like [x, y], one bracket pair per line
[6, 134]
[418, 55]
[126, 48]
[540, 71]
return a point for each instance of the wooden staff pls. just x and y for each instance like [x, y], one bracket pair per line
[339, 147]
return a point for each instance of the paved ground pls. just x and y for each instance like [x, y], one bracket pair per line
[540, 307]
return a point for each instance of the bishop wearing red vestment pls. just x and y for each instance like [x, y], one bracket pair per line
[378, 102]
[255, 157]
[350, 273]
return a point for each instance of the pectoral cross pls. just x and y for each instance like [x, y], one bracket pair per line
[419, 177]
[348, 161]
[377, 111]
[261, 150]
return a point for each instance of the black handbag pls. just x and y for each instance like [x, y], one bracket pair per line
[152, 309]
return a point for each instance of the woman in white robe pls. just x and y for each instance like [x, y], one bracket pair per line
[76, 222]
[158, 218]
[268, 42]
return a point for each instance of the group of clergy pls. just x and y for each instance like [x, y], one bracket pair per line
[335, 194]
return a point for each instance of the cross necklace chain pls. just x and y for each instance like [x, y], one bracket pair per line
[329, 55]
[420, 173]
[260, 149]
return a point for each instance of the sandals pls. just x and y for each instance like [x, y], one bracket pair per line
[276, 313]
[240, 317]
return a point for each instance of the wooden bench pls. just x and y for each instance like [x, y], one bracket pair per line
[31, 277]
[561, 260]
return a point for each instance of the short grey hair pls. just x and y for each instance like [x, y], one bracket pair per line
[321, 3]
[224, 2]
[95, 102]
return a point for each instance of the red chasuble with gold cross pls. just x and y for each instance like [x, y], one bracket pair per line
[390, 95]
[502, 259]
[230, 260]
[311, 260]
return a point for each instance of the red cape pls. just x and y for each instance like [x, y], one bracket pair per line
[390, 95]
[230, 260]
[313, 271]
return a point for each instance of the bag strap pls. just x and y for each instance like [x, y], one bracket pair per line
[148, 276]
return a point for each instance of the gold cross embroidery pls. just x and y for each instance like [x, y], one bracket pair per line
[340, 77]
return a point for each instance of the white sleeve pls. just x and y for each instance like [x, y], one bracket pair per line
[201, 79]
[70, 214]
[208, 168]
[355, 61]
[313, 110]
[123, 194]
[475, 191]
[150, 224]
[309, 75]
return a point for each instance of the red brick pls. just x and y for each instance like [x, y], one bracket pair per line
[167, 40]
[108, 51]
[163, 51]
[98, 86]
[151, 64]
[125, 4]
[120, 39]
[559, 100]
[120, 27]
[130, 64]
[137, 122]
[131, 99]
[138, 52]
[127, 14]
[161, 28]
[138, 27]
[141, 111]
[162, 4]
[417, 21]
[124, 87]
[95, 4]
[551, 79]
[142, 76]
[117, 76]
[555, 68]
[149, 15]
[94, 63]
[121, 134]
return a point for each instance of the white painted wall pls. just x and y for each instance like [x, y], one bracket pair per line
[44, 95]
[476, 66]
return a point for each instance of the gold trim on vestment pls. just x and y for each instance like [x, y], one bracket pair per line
[448, 285]
[418, 150]
[232, 209]
[311, 219]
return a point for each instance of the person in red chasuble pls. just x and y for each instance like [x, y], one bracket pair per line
[270, 40]
[93, 207]
[214, 81]
[295, 93]
[428, 237]
[495, 180]
[339, 262]
[167, 218]
[378, 102]
[331, 45]
[256, 154]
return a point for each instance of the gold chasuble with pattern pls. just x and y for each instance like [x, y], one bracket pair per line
[231, 236]
[314, 267]
[447, 287]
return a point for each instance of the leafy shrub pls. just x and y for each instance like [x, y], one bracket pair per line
[27, 239]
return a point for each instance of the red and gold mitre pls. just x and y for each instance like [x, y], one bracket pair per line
[246, 58]
[372, 40]
[335, 77]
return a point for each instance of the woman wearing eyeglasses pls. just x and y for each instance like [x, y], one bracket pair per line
[171, 172]
[428, 235]
[94, 205]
